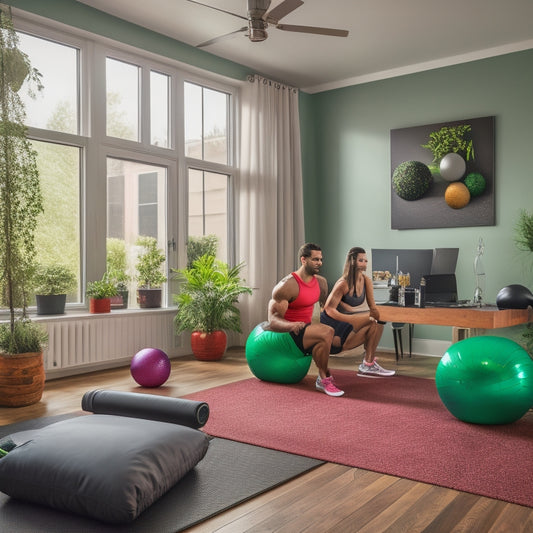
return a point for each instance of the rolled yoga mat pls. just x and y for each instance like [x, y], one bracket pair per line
[190, 413]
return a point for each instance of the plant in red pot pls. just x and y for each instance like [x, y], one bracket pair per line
[100, 293]
[207, 305]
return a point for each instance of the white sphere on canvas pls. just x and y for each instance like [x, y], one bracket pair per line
[452, 167]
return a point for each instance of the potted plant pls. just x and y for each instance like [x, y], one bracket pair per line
[207, 305]
[100, 293]
[52, 284]
[21, 341]
[117, 267]
[150, 276]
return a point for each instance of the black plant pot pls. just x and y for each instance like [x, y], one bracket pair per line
[149, 298]
[51, 304]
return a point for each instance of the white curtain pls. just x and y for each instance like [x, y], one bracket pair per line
[271, 218]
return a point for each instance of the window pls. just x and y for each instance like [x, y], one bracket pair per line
[56, 106]
[136, 205]
[57, 237]
[159, 109]
[122, 100]
[208, 207]
[117, 151]
[206, 124]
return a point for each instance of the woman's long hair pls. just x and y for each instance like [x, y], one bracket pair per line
[350, 266]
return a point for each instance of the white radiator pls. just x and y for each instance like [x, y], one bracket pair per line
[98, 339]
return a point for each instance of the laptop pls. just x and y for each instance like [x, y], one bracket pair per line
[441, 291]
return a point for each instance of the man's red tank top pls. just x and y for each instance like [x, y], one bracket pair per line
[301, 309]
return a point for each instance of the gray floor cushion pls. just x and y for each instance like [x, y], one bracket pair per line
[103, 466]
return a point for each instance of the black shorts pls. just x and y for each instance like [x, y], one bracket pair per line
[298, 339]
[342, 330]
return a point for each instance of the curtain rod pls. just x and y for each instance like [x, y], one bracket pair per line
[265, 81]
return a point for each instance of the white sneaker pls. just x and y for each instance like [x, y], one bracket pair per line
[374, 370]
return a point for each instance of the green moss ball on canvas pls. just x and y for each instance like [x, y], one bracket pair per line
[476, 184]
[411, 180]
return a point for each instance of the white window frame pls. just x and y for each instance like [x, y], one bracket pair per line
[97, 146]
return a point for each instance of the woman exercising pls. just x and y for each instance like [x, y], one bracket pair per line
[355, 326]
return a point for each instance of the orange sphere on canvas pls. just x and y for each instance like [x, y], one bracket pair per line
[457, 195]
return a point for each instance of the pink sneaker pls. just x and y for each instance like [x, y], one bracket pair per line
[328, 386]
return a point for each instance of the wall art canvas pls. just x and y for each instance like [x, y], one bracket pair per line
[442, 175]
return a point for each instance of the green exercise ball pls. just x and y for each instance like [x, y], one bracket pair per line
[486, 380]
[275, 357]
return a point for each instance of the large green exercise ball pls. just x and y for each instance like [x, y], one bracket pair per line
[486, 380]
[275, 357]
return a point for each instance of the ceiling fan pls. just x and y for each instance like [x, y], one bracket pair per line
[259, 18]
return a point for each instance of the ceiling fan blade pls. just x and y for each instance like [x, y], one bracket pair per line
[313, 29]
[222, 37]
[217, 9]
[281, 10]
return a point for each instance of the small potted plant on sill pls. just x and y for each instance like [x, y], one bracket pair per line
[150, 276]
[207, 305]
[117, 267]
[99, 293]
[52, 284]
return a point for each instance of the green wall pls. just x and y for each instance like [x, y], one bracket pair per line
[347, 170]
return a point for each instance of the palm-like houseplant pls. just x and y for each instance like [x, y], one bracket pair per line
[207, 304]
[21, 341]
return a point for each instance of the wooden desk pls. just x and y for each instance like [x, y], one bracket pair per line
[462, 317]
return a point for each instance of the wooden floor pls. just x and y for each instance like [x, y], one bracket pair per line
[331, 497]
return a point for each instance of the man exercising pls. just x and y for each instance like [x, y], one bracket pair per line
[290, 310]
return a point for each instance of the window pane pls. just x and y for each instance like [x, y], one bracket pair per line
[159, 109]
[208, 207]
[56, 106]
[206, 124]
[122, 96]
[58, 230]
[215, 126]
[193, 121]
[136, 207]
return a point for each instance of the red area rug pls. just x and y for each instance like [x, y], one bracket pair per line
[395, 426]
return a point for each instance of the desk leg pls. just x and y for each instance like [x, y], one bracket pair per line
[411, 332]
[460, 334]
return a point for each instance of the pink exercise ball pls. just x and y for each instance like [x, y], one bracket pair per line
[150, 367]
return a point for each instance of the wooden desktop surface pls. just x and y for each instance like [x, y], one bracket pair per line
[466, 317]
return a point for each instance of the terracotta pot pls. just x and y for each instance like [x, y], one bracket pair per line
[100, 305]
[208, 346]
[21, 379]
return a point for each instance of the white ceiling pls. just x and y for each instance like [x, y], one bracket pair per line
[387, 37]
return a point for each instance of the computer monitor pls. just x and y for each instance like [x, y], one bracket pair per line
[416, 262]
[444, 260]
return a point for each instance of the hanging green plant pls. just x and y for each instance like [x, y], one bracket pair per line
[20, 193]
